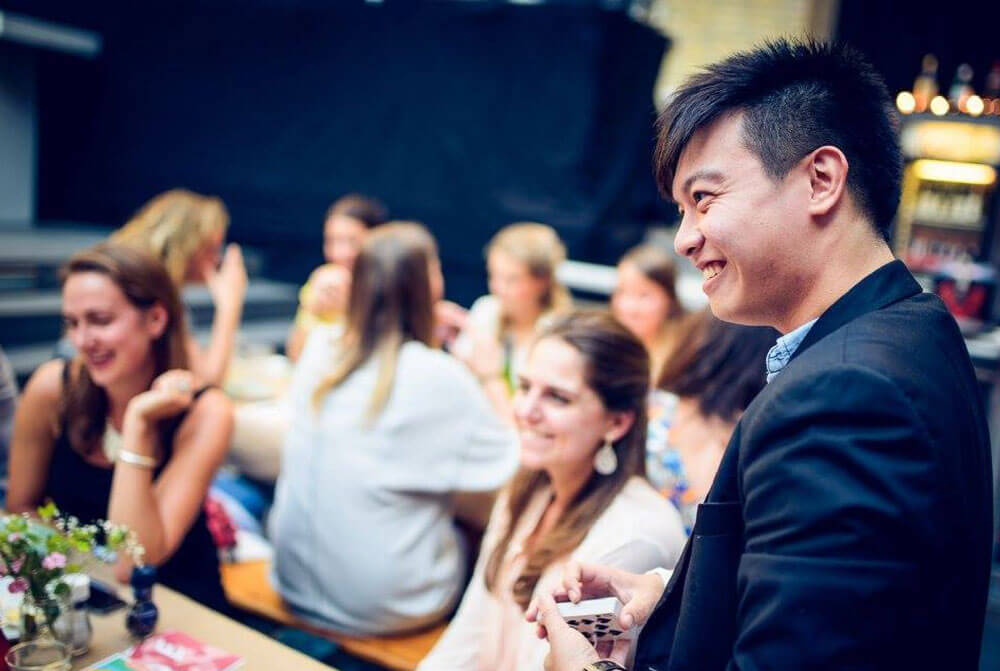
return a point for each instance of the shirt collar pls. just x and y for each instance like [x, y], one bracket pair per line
[783, 350]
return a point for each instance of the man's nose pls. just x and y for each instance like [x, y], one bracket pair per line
[688, 239]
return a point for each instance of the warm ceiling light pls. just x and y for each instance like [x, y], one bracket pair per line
[974, 105]
[953, 171]
[939, 106]
[905, 102]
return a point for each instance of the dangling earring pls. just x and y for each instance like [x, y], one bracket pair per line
[605, 460]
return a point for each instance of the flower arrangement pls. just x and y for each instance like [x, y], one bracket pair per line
[37, 554]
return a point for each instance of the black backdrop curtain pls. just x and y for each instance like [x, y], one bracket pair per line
[465, 116]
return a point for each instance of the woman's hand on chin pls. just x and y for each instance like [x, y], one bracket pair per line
[171, 393]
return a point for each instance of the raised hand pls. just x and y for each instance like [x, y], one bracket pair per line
[329, 291]
[228, 283]
[171, 393]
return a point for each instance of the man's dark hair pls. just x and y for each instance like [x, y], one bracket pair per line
[795, 97]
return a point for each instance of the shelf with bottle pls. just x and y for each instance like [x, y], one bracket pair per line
[949, 209]
[962, 98]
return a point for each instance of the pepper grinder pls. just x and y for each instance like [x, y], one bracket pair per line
[142, 616]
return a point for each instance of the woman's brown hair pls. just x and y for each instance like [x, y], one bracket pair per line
[616, 367]
[657, 265]
[145, 283]
[390, 303]
[173, 226]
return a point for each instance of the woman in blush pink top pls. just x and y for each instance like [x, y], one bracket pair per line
[580, 493]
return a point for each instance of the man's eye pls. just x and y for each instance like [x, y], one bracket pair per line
[698, 196]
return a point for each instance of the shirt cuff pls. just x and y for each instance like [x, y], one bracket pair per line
[664, 574]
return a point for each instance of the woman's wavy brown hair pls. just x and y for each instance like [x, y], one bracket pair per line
[617, 369]
[145, 283]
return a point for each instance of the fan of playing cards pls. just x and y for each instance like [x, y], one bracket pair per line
[596, 619]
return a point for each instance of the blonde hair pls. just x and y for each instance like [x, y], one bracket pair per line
[173, 226]
[390, 304]
[539, 248]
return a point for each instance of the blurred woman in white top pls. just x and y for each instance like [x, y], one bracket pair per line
[521, 262]
[386, 432]
[579, 494]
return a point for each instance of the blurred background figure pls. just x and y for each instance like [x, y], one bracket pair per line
[645, 301]
[521, 262]
[323, 298]
[8, 402]
[703, 389]
[579, 494]
[122, 432]
[386, 435]
[185, 231]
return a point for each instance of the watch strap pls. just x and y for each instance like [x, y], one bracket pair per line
[604, 665]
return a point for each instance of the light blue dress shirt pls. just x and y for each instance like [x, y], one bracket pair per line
[783, 350]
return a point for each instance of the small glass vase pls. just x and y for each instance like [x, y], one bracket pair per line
[43, 654]
[38, 616]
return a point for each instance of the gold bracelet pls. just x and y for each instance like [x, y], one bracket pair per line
[137, 459]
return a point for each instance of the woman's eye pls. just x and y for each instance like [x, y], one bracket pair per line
[698, 196]
[558, 398]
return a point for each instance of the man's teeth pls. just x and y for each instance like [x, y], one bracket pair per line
[711, 270]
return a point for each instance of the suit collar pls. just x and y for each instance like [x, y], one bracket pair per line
[885, 286]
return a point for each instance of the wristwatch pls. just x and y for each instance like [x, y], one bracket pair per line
[604, 665]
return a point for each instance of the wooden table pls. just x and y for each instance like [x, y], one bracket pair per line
[178, 612]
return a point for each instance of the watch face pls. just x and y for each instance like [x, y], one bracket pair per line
[605, 665]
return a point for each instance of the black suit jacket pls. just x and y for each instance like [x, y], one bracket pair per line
[849, 525]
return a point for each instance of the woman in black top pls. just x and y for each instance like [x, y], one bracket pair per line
[121, 432]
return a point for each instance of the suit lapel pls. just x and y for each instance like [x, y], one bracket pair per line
[887, 285]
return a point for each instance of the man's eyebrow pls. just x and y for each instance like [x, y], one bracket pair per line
[707, 175]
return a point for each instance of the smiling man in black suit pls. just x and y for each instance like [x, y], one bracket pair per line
[849, 525]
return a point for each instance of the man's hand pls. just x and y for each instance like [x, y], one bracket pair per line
[568, 649]
[639, 594]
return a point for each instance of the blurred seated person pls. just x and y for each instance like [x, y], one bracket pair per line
[323, 298]
[185, 231]
[388, 436]
[703, 390]
[521, 261]
[645, 301]
[123, 432]
[580, 492]
[8, 402]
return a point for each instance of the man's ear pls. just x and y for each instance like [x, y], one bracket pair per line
[827, 169]
[156, 320]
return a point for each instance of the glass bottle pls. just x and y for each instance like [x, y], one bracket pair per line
[142, 616]
[925, 87]
[73, 626]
